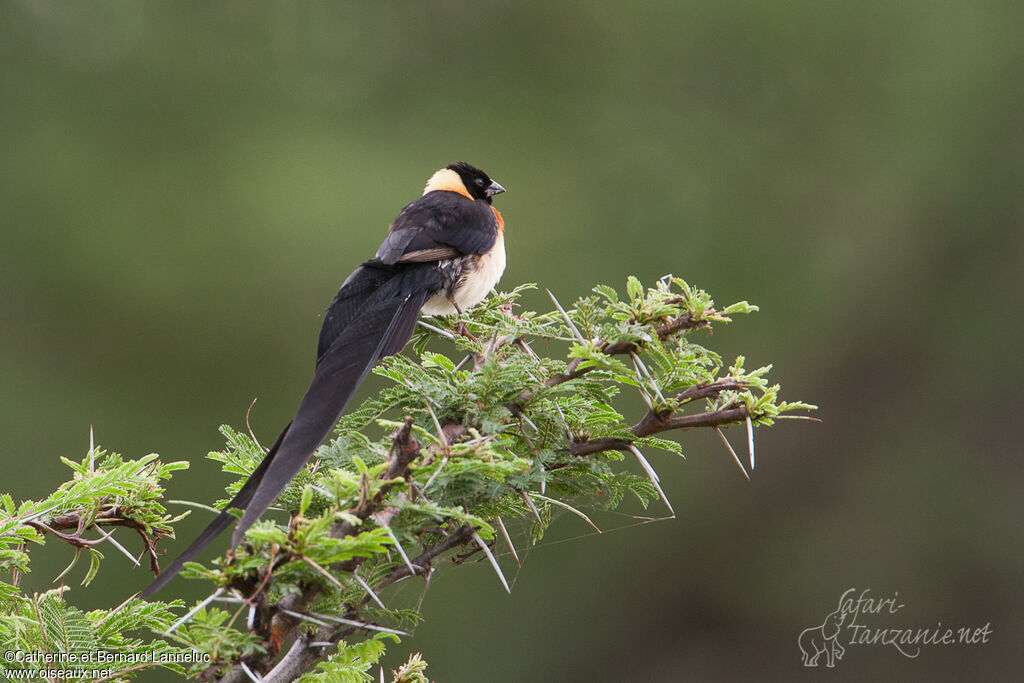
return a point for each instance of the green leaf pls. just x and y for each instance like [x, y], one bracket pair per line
[307, 498]
[634, 288]
[94, 566]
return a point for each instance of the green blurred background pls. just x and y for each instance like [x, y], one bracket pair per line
[184, 185]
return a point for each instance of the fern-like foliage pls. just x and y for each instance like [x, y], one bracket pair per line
[43, 633]
[500, 415]
[460, 443]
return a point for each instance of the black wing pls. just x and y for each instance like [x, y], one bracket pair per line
[439, 225]
[355, 293]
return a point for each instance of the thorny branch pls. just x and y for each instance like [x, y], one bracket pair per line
[279, 623]
[573, 371]
[111, 515]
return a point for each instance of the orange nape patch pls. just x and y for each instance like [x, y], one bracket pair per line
[446, 179]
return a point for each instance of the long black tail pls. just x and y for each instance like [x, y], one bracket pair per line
[373, 315]
[219, 523]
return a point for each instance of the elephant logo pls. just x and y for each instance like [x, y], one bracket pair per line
[823, 639]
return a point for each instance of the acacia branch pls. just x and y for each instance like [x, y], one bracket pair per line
[664, 331]
[305, 649]
[573, 371]
[277, 624]
[650, 426]
[110, 515]
[405, 450]
[284, 625]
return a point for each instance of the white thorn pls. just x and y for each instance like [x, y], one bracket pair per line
[734, 456]
[646, 398]
[92, 450]
[652, 475]
[568, 436]
[526, 347]
[36, 515]
[750, 441]
[110, 537]
[400, 549]
[565, 316]
[570, 508]
[321, 490]
[368, 589]
[444, 461]
[437, 425]
[639, 365]
[526, 418]
[494, 562]
[116, 609]
[508, 539]
[250, 673]
[358, 624]
[232, 600]
[529, 503]
[305, 617]
[436, 330]
[192, 612]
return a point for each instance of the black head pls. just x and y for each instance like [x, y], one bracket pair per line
[477, 183]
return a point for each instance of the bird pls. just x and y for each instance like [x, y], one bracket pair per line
[442, 255]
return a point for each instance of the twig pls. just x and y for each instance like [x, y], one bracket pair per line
[653, 424]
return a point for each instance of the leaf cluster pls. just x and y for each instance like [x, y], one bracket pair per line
[105, 491]
[531, 421]
[501, 414]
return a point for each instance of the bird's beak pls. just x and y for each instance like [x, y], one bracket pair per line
[493, 189]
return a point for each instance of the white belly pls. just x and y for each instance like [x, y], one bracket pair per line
[474, 287]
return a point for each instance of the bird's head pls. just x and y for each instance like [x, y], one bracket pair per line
[466, 180]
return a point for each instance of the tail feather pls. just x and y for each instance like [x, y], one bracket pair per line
[221, 522]
[373, 316]
[336, 379]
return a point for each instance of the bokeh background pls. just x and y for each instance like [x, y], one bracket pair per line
[184, 185]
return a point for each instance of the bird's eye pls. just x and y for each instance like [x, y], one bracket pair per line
[480, 182]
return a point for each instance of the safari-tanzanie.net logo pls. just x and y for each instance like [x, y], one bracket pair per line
[861, 620]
